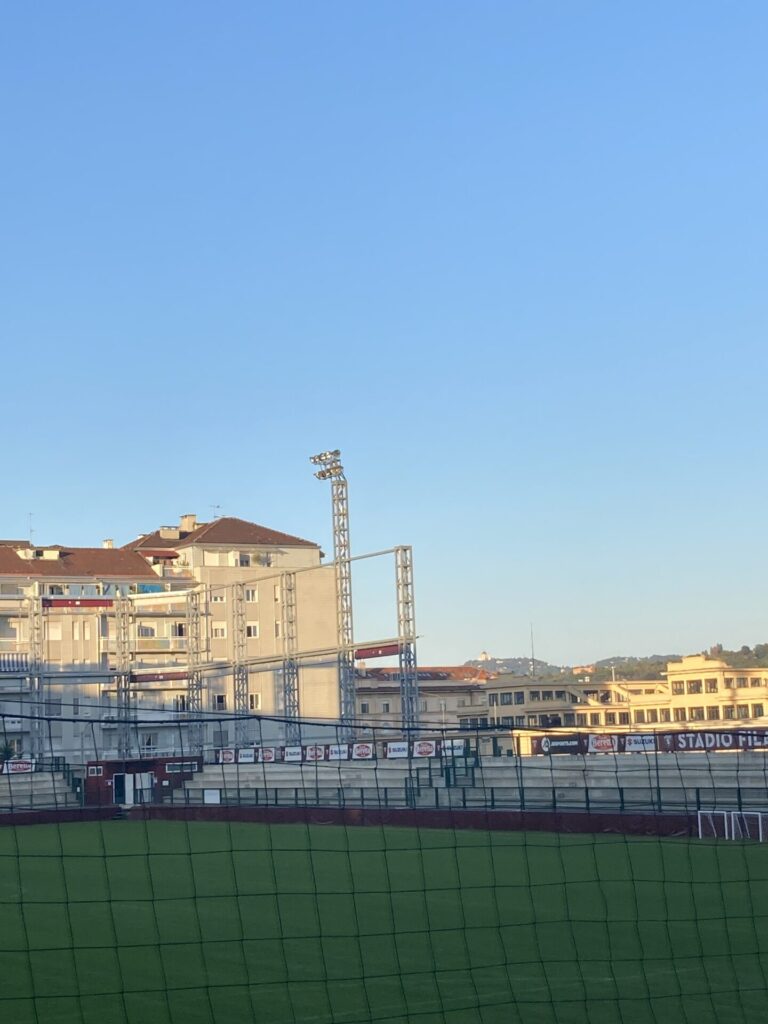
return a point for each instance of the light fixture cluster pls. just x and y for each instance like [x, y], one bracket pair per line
[330, 463]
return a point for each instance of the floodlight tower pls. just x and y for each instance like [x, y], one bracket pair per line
[330, 468]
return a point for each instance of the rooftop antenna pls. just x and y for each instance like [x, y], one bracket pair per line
[215, 511]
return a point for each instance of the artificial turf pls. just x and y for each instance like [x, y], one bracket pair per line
[191, 923]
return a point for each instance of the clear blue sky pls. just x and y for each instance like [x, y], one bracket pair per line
[510, 257]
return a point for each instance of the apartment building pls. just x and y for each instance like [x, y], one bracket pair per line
[445, 694]
[697, 691]
[62, 644]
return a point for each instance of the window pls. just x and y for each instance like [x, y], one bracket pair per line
[678, 688]
[581, 719]
[53, 706]
[665, 715]
[519, 719]
[180, 766]
[53, 630]
[756, 682]
[507, 721]
[86, 631]
[180, 703]
[713, 713]
[653, 715]
[219, 631]
[277, 593]
[610, 718]
[148, 741]
[461, 702]
[493, 700]
[741, 682]
[559, 694]
[696, 714]
[640, 717]
[534, 695]
[254, 701]
[178, 629]
[95, 769]
[533, 719]
[694, 686]
[219, 702]
[569, 718]
[519, 697]
[385, 708]
[251, 595]
[252, 630]
[244, 560]
[365, 708]
[75, 629]
[757, 710]
[680, 714]
[146, 631]
[711, 685]
[75, 706]
[728, 682]
[742, 710]
[729, 711]
[218, 597]
[422, 705]
[623, 718]
[546, 695]
[594, 718]
[277, 629]
[506, 698]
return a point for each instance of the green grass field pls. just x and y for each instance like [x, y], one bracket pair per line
[155, 922]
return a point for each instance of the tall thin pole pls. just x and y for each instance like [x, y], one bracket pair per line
[332, 469]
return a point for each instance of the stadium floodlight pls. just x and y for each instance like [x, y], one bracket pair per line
[330, 468]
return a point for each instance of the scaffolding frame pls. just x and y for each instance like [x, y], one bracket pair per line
[123, 613]
[195, 678]
[290, 667]
[35, 674]
[406, 633]
[239, 666]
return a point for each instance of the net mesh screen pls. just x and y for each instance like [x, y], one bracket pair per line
[390, 879]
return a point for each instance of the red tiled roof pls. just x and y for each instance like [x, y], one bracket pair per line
[110, 563]
[431, 673]
[227, 530]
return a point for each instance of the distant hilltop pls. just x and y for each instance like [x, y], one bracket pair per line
[623, 666]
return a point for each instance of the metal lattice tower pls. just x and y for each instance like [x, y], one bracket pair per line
[240, 667]
[332, 469]
[406, 632]
[122, 608]
[290, 664]
[35, 675]
[194, 671]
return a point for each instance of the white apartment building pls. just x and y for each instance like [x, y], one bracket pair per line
[61, 645]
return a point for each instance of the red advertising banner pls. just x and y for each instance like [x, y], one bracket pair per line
[425, 748]
[363, 752]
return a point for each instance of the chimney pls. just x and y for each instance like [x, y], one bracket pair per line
[108, 543]
[188, 522]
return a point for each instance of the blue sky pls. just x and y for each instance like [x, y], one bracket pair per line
[510, 257]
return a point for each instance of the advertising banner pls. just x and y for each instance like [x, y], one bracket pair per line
[362, 751]
[557, 744]
[226, 755]
[18, 767]
[315, 752]
[601, 744]
[246, 755]
[425, 748]
[292, 754]
[454, 746]
[397, 748]
[267, 754]
[640, 743]
[338, 752]
[740, 739]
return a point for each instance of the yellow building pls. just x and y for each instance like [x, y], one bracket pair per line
[697, 691]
